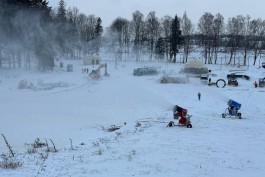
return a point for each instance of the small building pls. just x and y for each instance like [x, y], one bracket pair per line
[91, 60]
[195, 67]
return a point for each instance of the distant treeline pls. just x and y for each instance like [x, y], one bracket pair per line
[32, 32]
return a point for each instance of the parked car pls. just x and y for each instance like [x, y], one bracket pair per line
[145, 71]
[177, 80]
[238, 75]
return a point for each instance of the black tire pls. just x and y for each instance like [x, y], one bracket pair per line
[221, 80]
[189, 126]
[171, 124]
[223, 115]
[239, 115]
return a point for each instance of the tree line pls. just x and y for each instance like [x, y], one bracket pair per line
[33, 32]
[164, 38]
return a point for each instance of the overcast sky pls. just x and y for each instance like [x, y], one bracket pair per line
[108, 10]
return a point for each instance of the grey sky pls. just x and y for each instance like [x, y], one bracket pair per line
[108, 10]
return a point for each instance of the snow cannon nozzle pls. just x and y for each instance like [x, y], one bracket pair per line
[232, 103]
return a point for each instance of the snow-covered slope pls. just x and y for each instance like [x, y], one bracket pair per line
[70, 105]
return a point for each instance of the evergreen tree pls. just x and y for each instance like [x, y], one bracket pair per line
[61, 13]
[98, 33]
[65, 30]
[175, 38]
[25, 26]
[160, 48]
[99, 28]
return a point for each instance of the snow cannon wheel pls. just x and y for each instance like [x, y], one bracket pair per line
[239, 115]
[171, 124]
[189, 126]
[223, 115]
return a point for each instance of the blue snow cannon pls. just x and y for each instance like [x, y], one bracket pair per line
[232, 110]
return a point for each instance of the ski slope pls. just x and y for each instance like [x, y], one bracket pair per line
[80, 109]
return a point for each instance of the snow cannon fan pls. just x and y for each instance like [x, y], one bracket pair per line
[232, 110]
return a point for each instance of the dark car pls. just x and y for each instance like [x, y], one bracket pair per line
[238, 75]
[177, 80]
[145, 71]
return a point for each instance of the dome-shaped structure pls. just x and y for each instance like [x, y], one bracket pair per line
[195, 67]
[194, 64]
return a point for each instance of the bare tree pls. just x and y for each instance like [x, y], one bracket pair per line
[206, 31]
[234, 29]
[246, 38]
[120, 33]
[218, 30]
[73, 15]
[187, 32]
[257, 27]
[138, 31]
[152, 31]
[87, 26]
[73, 12]
[166, 22]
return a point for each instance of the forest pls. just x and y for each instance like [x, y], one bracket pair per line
[33, 34]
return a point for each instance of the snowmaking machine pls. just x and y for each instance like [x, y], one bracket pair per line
[232, 110]
[232, 81]
[261, 82]
[181, 114]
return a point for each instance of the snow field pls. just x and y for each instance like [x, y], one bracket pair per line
[213, 147]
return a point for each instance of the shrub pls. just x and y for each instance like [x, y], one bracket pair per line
[9, 162]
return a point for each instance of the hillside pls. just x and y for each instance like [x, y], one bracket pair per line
[69, 106]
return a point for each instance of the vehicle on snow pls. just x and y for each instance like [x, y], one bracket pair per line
[263, 64]
[238, 75]
[232, 81]
[95, 74]
[145, 71]
[261, 82]
[232, 110]
[171, 79]
[181, 114]
[204, 78]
